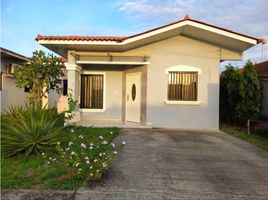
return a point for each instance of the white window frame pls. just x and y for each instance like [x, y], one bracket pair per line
[183, 68]
[104, 91]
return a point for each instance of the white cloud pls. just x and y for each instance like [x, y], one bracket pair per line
[242, 16]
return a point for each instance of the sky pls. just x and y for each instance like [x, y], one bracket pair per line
[22, 20]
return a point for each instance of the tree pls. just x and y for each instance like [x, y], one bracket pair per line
[249, 90]
[41, 75]
[229, 93]
[239, 93]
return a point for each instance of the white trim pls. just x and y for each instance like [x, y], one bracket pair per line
[86, 110]
[112, 63]
[72, 67]
[104, 91]
[190, 103]
[155, 32]
[223, 32]
[182, 68]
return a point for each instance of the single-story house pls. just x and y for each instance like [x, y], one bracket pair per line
[262, 72]
[164, 77]
[10, 94]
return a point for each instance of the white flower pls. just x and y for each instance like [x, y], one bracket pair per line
[58, 143]
[80, 169]
[95, 160]
[72, 130]
[100, 154]
[91, 174]
[91, 144]
[73, 153]
[77, 164]
[43, 154]
[70, 143]
[86, 158]
[90, 167]
[50, 158]
[48, 163]
[124, 142]
[81, 136]
[91, 147]
[103, 153]
[111, 132]
[104, 165]
[104, 142]
[67, 149]
[100, 137]
[97, 171]
[87, 162]
[113, 145]
[54, 159]
[83, 145]
[115, 152]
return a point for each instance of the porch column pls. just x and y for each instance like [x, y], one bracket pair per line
[73, 74]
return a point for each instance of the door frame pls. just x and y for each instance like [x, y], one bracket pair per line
[144, 71]
[140, 88]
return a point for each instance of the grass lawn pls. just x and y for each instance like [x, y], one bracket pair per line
[258, 138]
[34, 173]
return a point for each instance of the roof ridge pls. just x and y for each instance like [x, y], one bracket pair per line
[122, 38]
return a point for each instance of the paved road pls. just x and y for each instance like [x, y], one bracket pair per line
[169, 164]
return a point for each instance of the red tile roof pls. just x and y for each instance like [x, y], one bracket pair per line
[81, 38]
[121, 39]
[262, 65]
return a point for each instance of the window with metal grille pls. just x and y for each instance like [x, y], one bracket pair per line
[182, 86]
[91, 91]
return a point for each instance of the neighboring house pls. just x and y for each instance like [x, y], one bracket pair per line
[10, 94]
[262, 71]
[164, 77]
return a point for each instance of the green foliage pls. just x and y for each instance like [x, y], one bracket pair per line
[229, 92]
[249, 90]
[259, 138]
[27, 130]
[35, 173]
[41, 75]
[85, 156]
[239, 94]
[71, 106]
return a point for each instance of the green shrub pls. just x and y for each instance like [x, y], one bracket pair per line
[30, 130]
[239, 94]
[85, 156]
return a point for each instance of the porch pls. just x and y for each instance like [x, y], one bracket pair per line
[110, 88]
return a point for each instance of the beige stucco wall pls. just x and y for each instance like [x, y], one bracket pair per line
[113, 99]
[10, 94]
[182, 51]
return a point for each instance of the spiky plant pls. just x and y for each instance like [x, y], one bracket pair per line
[27, 130]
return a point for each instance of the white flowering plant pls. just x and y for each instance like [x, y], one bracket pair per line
[86, 154]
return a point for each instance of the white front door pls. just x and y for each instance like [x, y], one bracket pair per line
[133, 97]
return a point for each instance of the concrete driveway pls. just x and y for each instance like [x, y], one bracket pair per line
[170, 164]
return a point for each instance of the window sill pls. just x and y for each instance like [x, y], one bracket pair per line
[190, 103]
[92, 110]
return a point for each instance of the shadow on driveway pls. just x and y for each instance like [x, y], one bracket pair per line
[179, 164]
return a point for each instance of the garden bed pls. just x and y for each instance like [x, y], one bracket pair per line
[37, 172]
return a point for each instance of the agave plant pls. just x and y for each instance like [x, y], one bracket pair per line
[30, 130]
